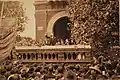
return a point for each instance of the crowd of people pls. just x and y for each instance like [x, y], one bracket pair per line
[102, 68]
[62, 41]
[27, 41]
[54, 41]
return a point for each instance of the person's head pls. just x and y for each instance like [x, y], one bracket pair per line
[31, 69]
[9, 67]
[60, 69]
[77, 67]
[35, 64]
[7, 74]
[38, 74]
[50, 69]
[38, 69]
[24, 70]
[70, 75]
[93, 72]
[55, 66]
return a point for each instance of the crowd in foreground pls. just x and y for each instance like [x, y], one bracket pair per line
[102, 68]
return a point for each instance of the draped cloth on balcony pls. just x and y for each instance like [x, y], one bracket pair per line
[7, 38]
[6, 45]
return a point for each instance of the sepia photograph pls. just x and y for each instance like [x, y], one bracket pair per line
[59, 40]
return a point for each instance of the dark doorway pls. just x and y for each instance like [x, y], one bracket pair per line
[61, 29]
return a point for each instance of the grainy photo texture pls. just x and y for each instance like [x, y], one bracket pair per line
[59, 40]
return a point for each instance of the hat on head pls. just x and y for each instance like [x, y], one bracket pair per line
[14, 76]
[96, 68]
[24, 69]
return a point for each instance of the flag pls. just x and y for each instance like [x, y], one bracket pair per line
[7, 37]
[6, 44]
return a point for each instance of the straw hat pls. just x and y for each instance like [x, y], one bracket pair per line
[24, 69]
[95, 68]
[13, 76]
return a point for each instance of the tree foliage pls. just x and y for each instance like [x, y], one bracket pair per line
[14, 9]
[93, 21]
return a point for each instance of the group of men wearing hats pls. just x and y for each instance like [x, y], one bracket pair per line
[101, 68]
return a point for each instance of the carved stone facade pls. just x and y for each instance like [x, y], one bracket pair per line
[47, 12]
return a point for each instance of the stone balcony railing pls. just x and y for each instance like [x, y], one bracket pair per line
[53, 54]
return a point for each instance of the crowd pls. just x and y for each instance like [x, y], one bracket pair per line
[27, 41]
[60, 41]
[55, 41]
[102, 68]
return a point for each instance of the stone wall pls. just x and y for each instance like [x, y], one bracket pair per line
[44, 11]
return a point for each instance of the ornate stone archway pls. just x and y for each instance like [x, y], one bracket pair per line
[53, 20]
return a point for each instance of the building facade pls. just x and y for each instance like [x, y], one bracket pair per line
[51, 19]
[49, 13]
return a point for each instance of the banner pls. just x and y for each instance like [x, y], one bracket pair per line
[6, 45]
